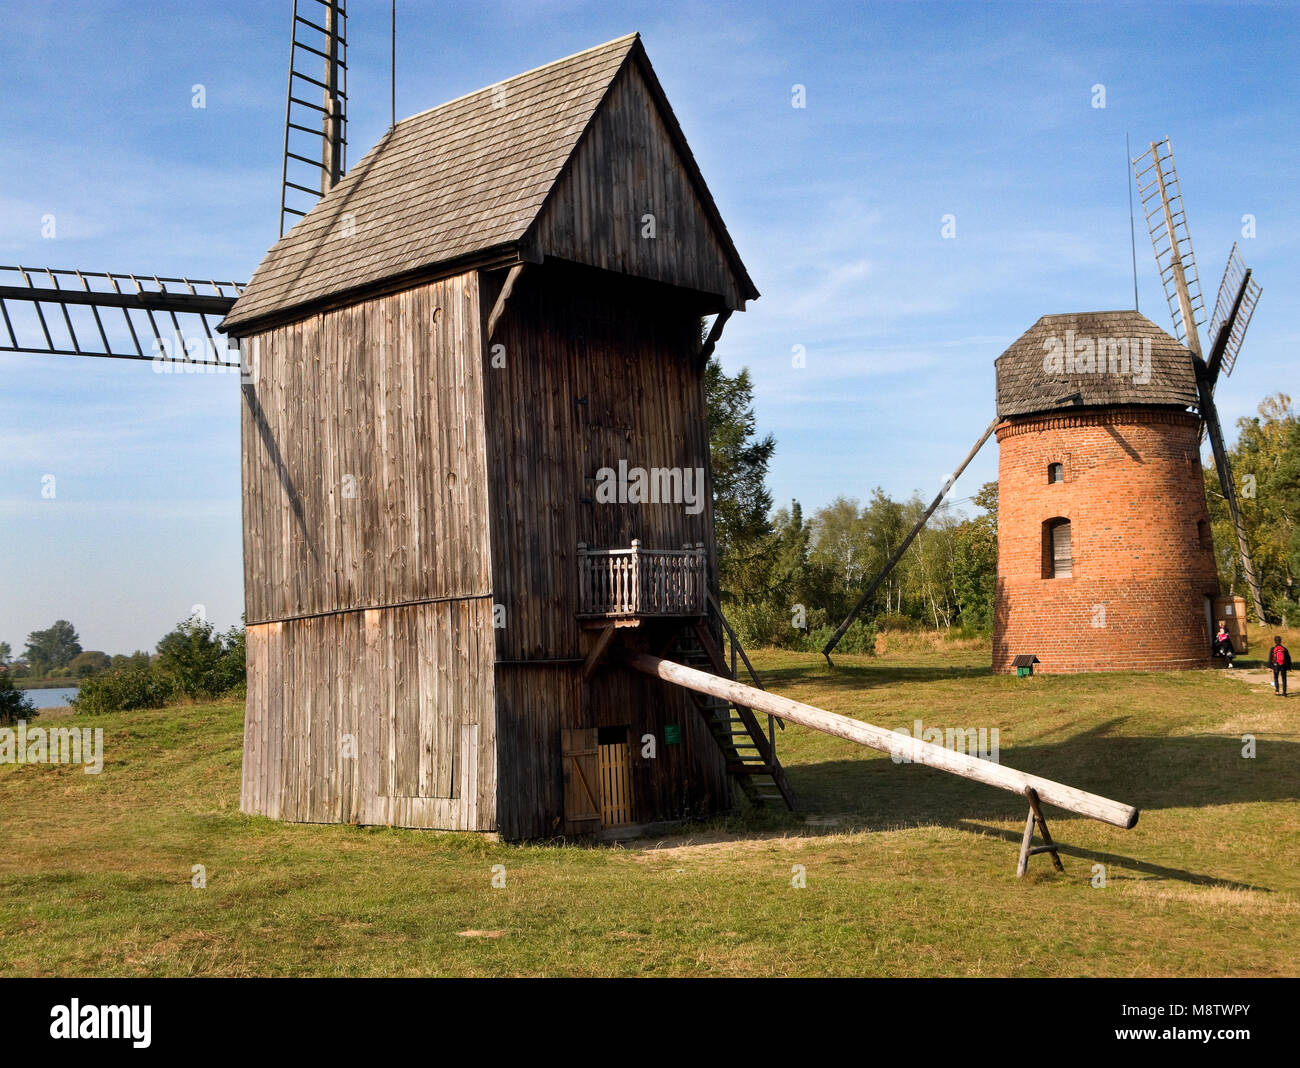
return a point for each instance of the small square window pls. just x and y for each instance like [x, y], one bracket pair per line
[1056, 472]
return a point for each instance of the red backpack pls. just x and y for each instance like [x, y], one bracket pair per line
[1279, 655]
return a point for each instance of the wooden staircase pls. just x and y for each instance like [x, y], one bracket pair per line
[749, 751]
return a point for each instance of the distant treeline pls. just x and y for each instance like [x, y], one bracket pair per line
[54, 656]
[192, 662]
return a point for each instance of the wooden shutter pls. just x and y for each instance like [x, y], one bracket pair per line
[1062, 553]
[581, 780]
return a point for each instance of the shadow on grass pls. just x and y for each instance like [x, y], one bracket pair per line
[1155, 871]
[1197, 772]
[865, 677]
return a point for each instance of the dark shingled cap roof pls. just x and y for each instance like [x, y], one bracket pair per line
[1030, 381]
[460, 183]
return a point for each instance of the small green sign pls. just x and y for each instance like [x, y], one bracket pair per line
[672, 734]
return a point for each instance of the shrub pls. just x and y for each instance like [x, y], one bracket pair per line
[761, 624]
[200, 663]
[14, 704]
[116, 691]
[91, 662]
[859, 638]
[192, 662]
[896, 621]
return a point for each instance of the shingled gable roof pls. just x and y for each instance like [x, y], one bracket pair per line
[1025, 385]
[460, 184]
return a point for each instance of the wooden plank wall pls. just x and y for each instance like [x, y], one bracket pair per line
[373, 717]
[627, 166]
[366, 567]
[535, 704]
[598, 368]
[363, 458]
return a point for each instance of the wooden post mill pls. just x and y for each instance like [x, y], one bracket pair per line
[480, 579]
[475, 448]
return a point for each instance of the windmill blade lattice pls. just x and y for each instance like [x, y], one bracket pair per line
[315, 141]
[66, 312]
[1162, 203]
[1235, 276]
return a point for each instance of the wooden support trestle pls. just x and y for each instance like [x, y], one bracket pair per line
[1027, 848]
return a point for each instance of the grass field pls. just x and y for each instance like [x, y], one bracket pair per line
[908, 871]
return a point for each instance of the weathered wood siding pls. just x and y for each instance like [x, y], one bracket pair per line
[598, 369]
[534, 704]
[366, 566]
[363, 457]
[626, 167]
[379, 717]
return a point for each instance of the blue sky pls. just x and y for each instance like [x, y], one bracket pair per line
[913, 111]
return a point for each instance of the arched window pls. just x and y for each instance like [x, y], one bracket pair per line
[1058, 554]
[1203, 535]
[1056, 472]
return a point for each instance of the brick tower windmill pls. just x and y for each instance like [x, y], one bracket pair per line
[1105, 555]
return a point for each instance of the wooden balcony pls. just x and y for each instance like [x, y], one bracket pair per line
[638, 583]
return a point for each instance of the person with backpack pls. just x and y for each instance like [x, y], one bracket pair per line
[1279, 659]
[1223, 644]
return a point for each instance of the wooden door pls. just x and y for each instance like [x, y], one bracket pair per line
[581, 780]
[615, 786]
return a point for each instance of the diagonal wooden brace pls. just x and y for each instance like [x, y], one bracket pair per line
[1027, 848]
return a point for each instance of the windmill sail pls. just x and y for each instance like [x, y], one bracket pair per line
[1162, 202]
[1238, 295]
[66, 312]
[315, 141]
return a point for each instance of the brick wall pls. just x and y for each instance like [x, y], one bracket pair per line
[1142, 567]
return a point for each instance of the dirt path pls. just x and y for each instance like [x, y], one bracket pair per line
[1260, 680]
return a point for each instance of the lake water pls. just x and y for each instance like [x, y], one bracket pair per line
[55, 698]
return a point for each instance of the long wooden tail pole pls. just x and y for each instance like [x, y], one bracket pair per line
[911, 749]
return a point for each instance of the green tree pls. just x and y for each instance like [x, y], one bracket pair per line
[1265, 464]
[781, 612]
[89, 663]
[931, 559]
[53, 647]
[850, 546]
[6, 655]
[139, 660]
[200, 662]
[975, 562]
[741, 501]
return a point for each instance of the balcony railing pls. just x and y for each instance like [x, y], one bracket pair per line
[636, 582]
